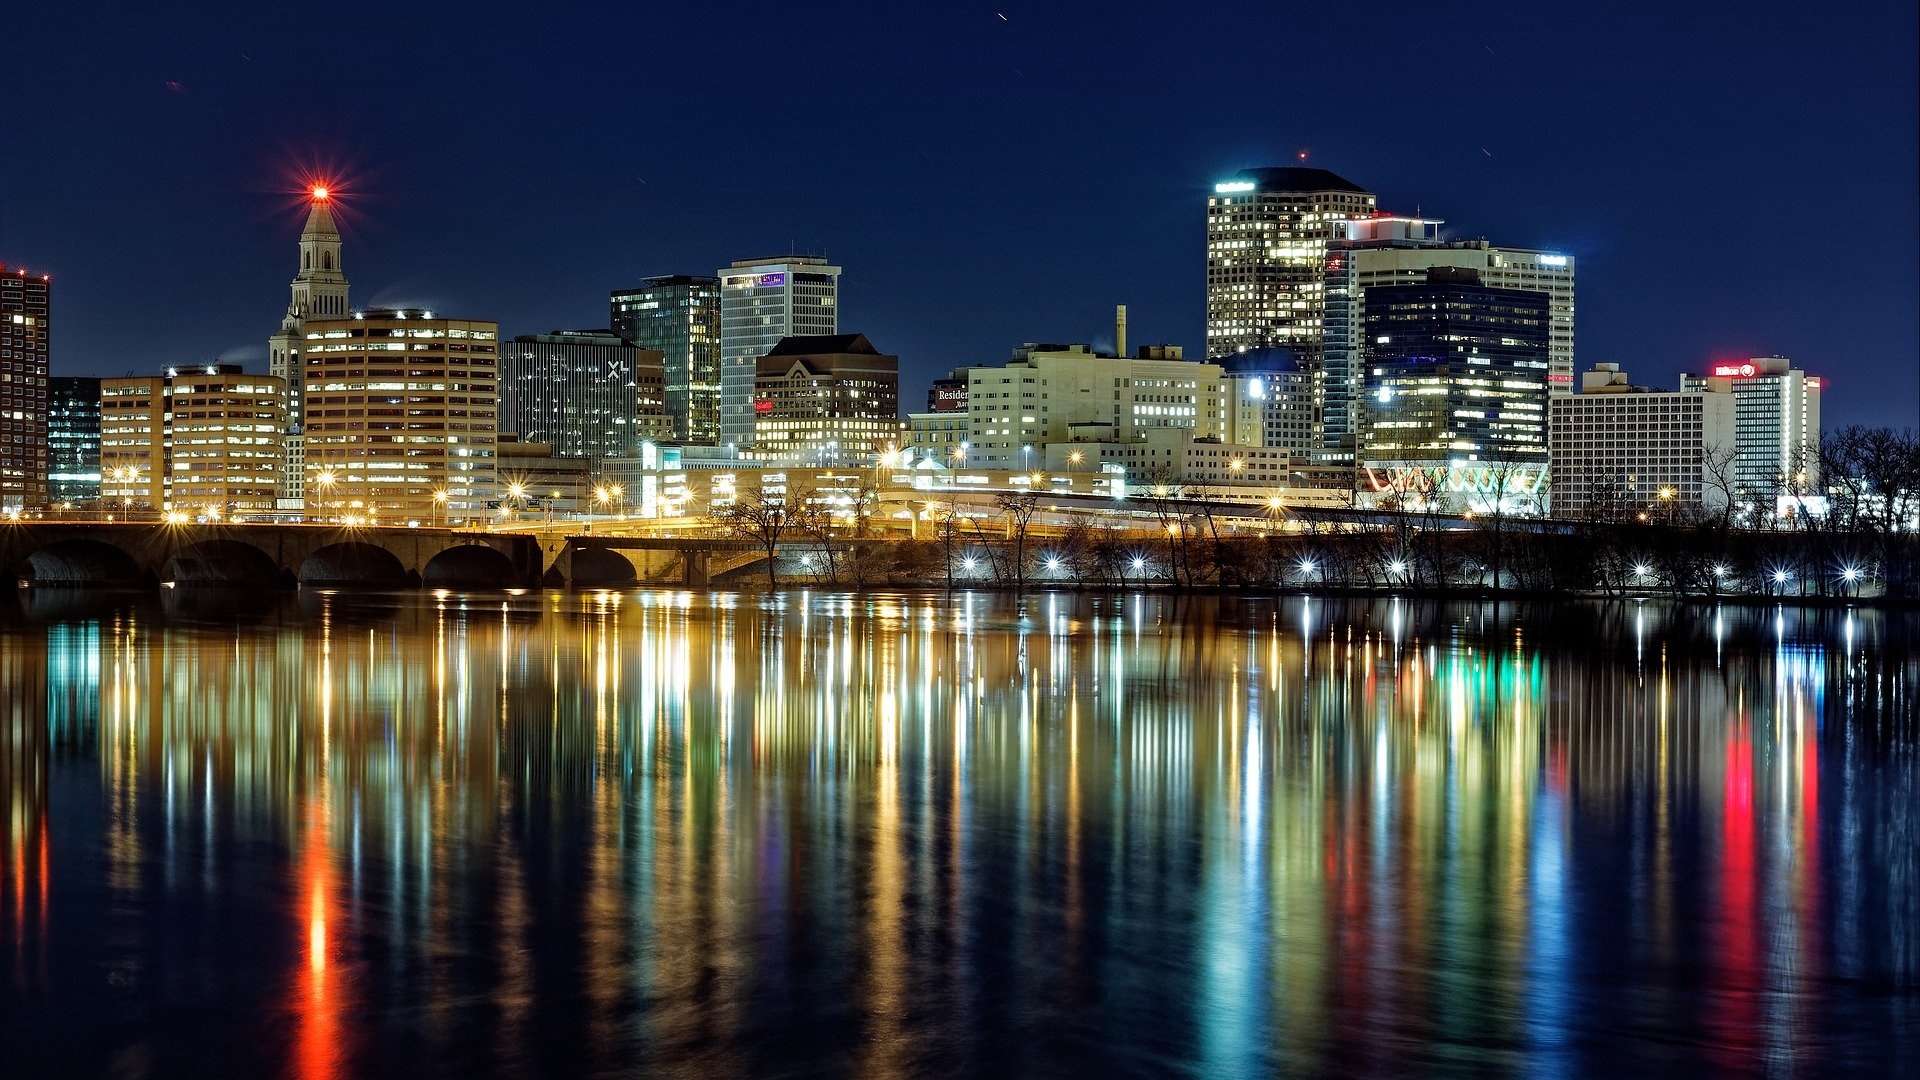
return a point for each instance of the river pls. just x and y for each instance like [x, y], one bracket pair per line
[822, 834]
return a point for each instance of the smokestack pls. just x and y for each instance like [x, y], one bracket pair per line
[1120, 331]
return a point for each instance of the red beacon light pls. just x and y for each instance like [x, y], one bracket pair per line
[319, 193]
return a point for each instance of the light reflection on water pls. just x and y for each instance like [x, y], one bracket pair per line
[899, 835]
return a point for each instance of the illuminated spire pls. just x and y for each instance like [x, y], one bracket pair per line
[320, 217]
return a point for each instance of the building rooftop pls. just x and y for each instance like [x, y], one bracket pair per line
[1292, 178]
[1269, 360]
[822, 344]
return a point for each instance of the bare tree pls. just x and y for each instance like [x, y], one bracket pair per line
[761, 517]
[946, 529]
[1019, 507]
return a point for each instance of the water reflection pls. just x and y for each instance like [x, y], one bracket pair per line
[906, 834]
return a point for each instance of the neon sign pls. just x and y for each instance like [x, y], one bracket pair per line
[1733, 371]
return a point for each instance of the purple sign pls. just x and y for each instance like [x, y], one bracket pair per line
[771, 279]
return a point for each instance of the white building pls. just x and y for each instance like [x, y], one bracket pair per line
[1777, 427]
[1619, 450]
[762, 301]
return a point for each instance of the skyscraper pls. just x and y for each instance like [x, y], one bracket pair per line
[585, 393]
[401, 435]
[319, 292]
[679, 316]
[1393, 250]
[762, 301]
[73, 441]
[1456, 408]
[24, 363]
[1267, 233]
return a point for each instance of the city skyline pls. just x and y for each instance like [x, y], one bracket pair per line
[1714, 156]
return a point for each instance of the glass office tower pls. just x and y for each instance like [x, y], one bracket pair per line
[679, 316]
[73, 442]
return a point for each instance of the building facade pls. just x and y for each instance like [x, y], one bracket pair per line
[402, 417]
[584, 393]
[1389, 250]
[1617, 450]
[762, 301]
[1274, 401]
[203, 440]
[319, 292]
[826, 400]
[1777, 428]
[679, 316]
[73, 442]
[1069, 393]
[1456, 394]
[25, 367]
[1267, 235]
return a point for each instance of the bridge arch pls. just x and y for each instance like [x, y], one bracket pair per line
[84, 563]
[355, 563]
[469, 566]
[221, 562]
[602, 568]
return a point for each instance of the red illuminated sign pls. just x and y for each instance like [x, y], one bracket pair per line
[1734, 371]
[763, 406]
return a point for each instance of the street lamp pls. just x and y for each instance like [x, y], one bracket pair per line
[440, 504]
[325, 479]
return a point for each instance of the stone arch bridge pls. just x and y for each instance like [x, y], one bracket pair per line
[134, 554]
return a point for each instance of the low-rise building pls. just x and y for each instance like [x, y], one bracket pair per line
[1618, 450]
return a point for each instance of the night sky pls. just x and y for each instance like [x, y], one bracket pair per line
[1735, 179]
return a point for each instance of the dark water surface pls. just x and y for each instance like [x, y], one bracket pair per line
[812, 834]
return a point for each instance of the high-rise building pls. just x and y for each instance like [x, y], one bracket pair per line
[584, 393]
[1391, 250]
[1267, 234]
[762, 301]
[73, 442]
[25, 314]
[402, 417]
[830, 400]
[1776, 428]
[679, 316]
[319, 292]
[1456, 407]
[203, 439]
